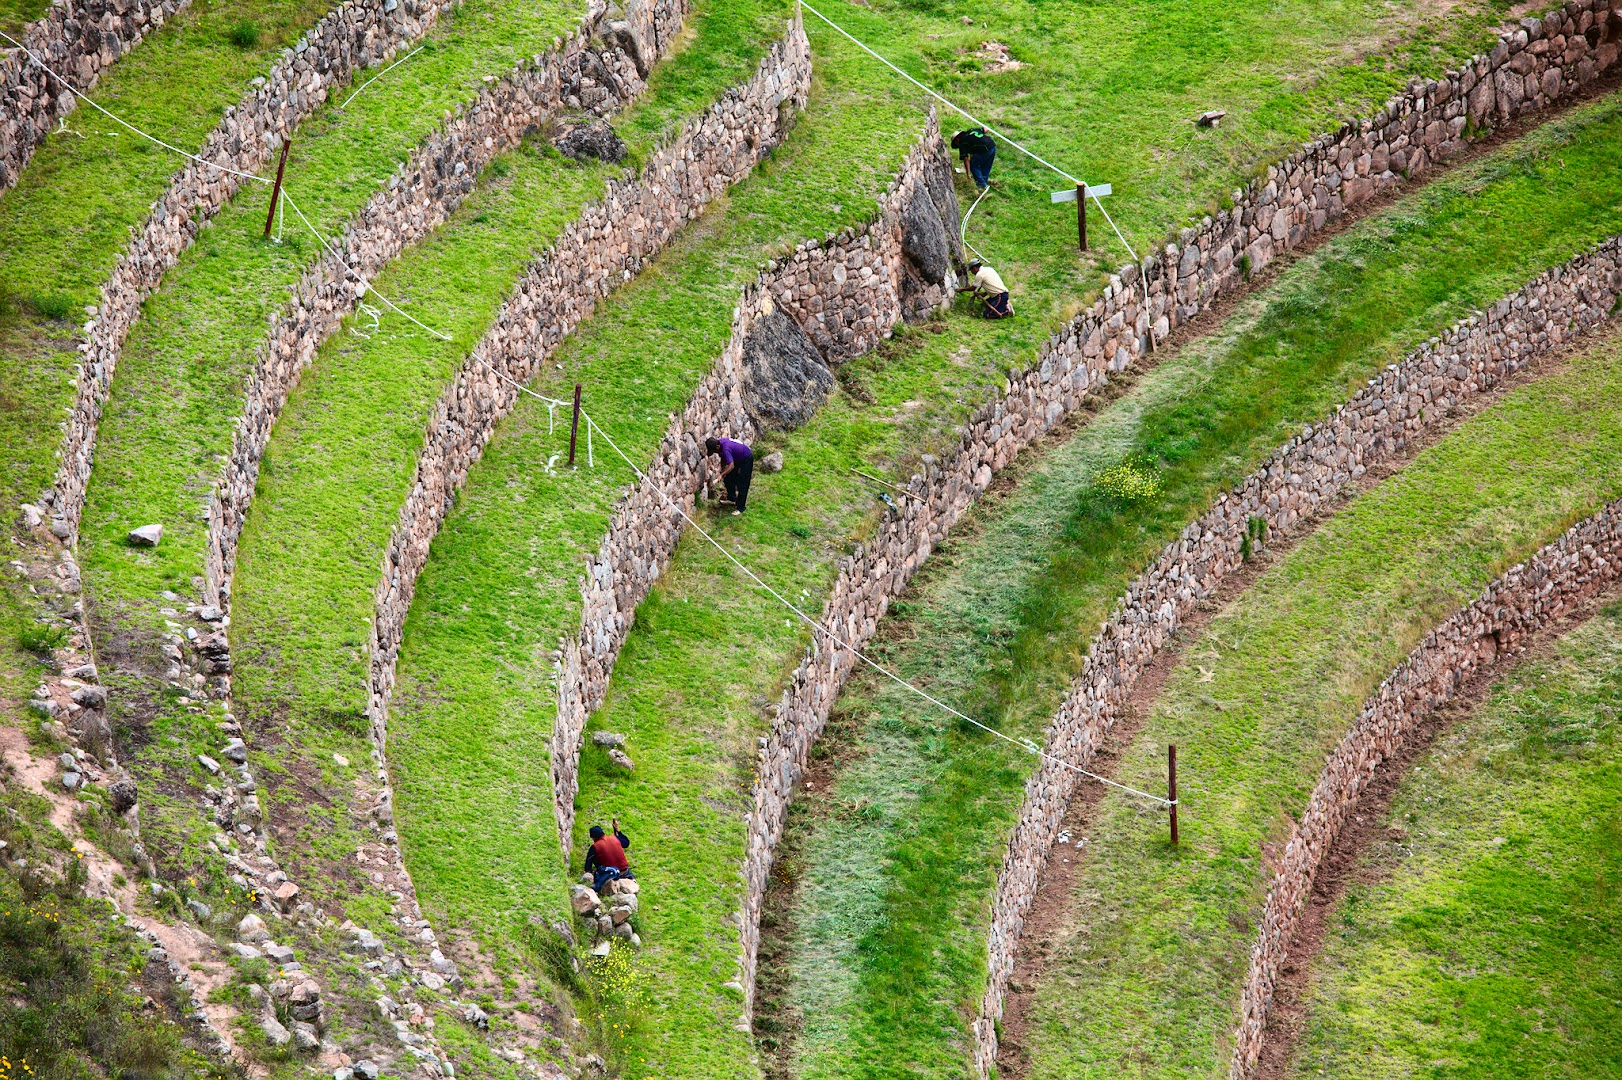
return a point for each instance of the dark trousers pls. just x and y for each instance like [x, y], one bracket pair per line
[601, 876]
[980, 166]
[997, 307]
[737, 481]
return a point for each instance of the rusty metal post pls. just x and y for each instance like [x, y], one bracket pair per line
[574, 425]
[276, 191]
[1081, 214]
[1171, 788]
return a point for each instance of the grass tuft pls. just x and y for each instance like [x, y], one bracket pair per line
[244, 34]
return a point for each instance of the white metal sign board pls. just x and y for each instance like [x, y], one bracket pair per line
[1069, 195]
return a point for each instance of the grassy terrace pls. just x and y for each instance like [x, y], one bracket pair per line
[474, 706]
[179, 386]
[1147, 981]
[343, 454]
[894, 863]
[63, 225]
[1481, 936]
[15, 15]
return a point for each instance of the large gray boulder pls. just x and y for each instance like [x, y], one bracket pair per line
[924, 240]
[594, 140]
[785, 378]
[938, 179]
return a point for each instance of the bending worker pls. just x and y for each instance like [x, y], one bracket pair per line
[737, 469]
[978, 151]
[605, 858]
[989, 288]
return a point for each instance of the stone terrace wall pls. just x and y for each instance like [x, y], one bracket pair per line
[77, 39]
[1402, 404]
[354, 35]
[829, 286]
[1529, 597]
[582, 72]
[1534, 64]
[609, 243]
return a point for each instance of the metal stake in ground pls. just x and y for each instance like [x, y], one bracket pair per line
[1171, 788]
[574, 425]
[276, 191]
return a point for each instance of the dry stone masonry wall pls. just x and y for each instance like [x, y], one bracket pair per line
[78, 41]
[1534, 64]
[585, 71]
[1402, 404]
[1531, 596]
[846, 293]
[353, 35]
[606, 245]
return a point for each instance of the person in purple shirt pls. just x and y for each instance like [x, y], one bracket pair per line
[737, 469]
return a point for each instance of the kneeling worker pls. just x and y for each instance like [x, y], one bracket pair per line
[605, 858]
[989, 288]
[737, 469]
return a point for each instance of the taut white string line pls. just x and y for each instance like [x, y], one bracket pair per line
[380, 74]
[972, 119]
[366, 286]
[320, 239]
[120, 120]
[1025, 744]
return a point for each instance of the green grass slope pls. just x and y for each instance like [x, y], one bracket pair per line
[15, 15]
[74, 986]
[1146, 980]
[180, 382]
[473, 707]
[894, 865]
[1480, 937]
[341, 460]
[63, 225]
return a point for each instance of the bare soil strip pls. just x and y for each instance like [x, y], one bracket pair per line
[1051, 908]
[1344, 865]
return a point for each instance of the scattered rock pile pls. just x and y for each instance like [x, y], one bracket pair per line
[596, 140]
[609, 916]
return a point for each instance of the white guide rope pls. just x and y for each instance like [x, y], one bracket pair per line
[1025, 744]
[286, 195]
[380, 74]
[963, 229]
[364, 287]
[974, 120]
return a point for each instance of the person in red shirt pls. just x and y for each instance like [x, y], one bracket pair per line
[605, 858]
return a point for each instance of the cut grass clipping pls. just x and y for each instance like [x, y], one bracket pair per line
[1480, 935]
[892, 869]
[1147, 979]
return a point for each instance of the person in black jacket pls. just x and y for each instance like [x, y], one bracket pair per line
[978, 151]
